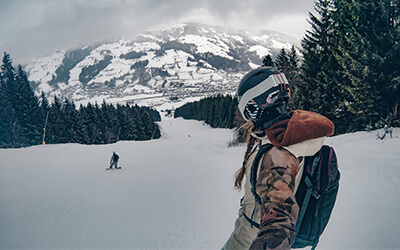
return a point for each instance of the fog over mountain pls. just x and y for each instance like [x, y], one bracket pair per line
[35, 28]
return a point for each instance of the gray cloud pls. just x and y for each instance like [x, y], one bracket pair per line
[33, 28]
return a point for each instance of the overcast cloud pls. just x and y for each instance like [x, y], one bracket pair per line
[34, 28]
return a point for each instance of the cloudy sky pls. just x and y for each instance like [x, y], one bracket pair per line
[34, 28]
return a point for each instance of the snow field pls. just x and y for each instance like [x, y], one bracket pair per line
[61, 196]
[177, 193]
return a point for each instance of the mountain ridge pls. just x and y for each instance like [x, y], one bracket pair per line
[159, 66]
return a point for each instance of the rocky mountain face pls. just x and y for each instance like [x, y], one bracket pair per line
[158, 67]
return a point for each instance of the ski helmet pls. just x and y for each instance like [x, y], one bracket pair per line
[263, 94]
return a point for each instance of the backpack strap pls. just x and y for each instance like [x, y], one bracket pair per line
[252, 222]
[254, 169]
[310, 169]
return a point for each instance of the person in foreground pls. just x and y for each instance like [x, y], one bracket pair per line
[271, 223]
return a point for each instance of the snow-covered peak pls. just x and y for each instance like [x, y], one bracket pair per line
[178, 62]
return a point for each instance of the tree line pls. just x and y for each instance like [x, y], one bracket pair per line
[27, 120]
[218, 111]
[349, 70]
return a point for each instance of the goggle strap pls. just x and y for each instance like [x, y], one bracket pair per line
[281, 81]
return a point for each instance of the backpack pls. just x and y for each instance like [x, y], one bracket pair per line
[316, 194]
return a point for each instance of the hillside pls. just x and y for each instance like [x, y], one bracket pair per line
[166, 65]
[177, 193]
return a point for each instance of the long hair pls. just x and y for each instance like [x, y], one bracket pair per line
[251, 141]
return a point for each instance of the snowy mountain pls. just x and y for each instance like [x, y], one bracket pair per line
[164, 65]
[177, 193]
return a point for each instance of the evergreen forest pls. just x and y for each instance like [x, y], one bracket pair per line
[348, 71]
[27, 120]
[217, 111]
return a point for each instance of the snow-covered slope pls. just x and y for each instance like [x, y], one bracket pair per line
[159, 66]
[177, 193]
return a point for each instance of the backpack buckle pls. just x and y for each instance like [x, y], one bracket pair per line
[315, 194]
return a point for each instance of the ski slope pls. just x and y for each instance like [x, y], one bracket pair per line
[177, 193]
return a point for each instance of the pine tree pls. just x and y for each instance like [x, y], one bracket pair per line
[320, 87]
[392, 65]
[294, 67]
[70, 122]
[96, 133]
[84, 121]
[365, 44]
[267, 61]
[148, 125]
[54, 122]
[282, 61]
[5, 117]
[20, 110]
[109, 121]
[129, 122]
[293, 72]
[27, 110]
[11, 126]
[8, 76]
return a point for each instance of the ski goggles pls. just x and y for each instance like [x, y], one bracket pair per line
[278, 92]
[255, 107]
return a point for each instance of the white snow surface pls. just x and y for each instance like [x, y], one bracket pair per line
[177, 193]
[207, 44]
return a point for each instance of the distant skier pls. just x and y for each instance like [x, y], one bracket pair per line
[114, 160]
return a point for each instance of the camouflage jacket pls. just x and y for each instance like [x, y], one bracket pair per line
[244, 233]
[279, 210]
